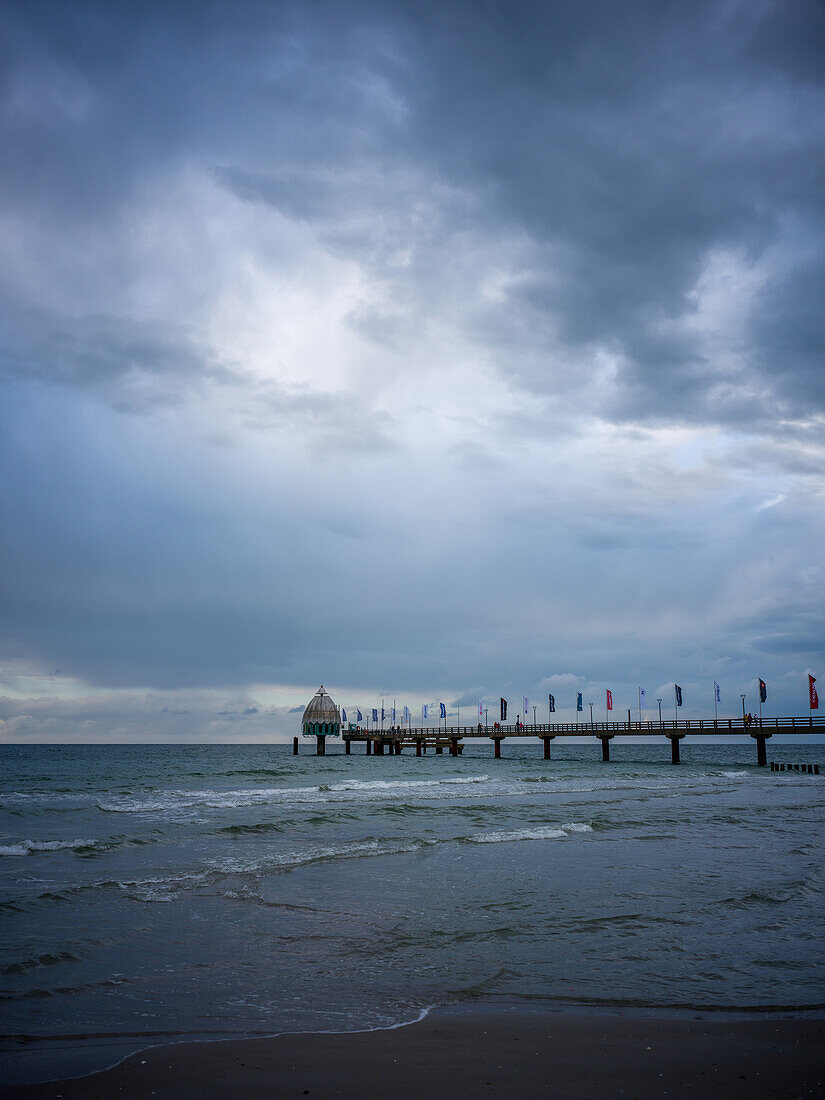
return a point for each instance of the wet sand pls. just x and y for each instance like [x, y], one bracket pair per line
[450, 1054]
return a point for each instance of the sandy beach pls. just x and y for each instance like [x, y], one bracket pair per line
[452, 1054]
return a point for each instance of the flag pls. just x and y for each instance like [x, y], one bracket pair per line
[609, 699]
[406, 714]
[392, 712]
[383, 714]
[763, 691]
[343, 715]
[552, 699]
[678, 691]
[526, 705]
[443, 711]
[642, 699]
[504, 710]
[812, 695]
[579, 703]
[375, 714]
[424, 712]
[480, 710]
[359, 715]
[717, 693]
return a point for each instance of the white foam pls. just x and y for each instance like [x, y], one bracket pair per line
[316, 854]
[402, 785]
[541, 832]
[27, 847]
[177, 800]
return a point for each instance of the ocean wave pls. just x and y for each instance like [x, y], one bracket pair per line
[178, 800]
[542, 832]
[91, 846]
[29, 847]
[287, 861]
[48, 958]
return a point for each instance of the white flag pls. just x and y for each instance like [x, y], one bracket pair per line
[480, 709]
[717, 692]
[424, 712]
[526, 705]
[642, 700]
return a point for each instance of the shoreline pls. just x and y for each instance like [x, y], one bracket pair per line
[494, 1051]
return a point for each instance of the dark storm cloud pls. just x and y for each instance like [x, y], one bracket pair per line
[628, 143]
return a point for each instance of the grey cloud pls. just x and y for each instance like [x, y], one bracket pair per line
[138, 366]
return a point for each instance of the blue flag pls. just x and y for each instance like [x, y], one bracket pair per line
[678, 695]
[406, 714]
[375, 714]
[552, 699]
[383, 714]
[443, 711]
[424, 712]
[579, 703]
[360, 716]
[343, 715]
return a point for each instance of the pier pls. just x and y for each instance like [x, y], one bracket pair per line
[443, 739]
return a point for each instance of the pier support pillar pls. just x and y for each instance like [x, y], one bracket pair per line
[379, 748]
[761, 750]
[369, 747]
[418, 748]
[322, 745]
[347, 745]
[497, 748]
[546, 741]
[397, 748]
[454, 747]
[439, 750]
[605, 749]
[294, 746]
[674, 749]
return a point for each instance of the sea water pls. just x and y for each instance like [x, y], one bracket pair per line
[164, 893]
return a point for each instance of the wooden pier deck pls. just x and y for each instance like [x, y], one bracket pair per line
[438, 738]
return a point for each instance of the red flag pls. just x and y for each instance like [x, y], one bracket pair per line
[814, 698]
[609, 699]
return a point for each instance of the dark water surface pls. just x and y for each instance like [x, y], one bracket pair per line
[151, 894]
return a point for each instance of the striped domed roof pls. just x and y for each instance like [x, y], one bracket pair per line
[321, 714]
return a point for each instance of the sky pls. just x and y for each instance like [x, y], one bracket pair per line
[429, 351]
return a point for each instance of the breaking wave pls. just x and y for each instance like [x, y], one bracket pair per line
[545, 832]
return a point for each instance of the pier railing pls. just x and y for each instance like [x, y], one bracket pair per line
[765, 727]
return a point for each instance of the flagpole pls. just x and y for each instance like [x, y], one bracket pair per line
[715, 704]
[640, 706]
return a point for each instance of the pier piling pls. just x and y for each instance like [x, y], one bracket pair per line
[347, 745]
[605, 749]
[497, 748]
[546, 741]
[294, 746]
[674, 749]
[322, 745]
